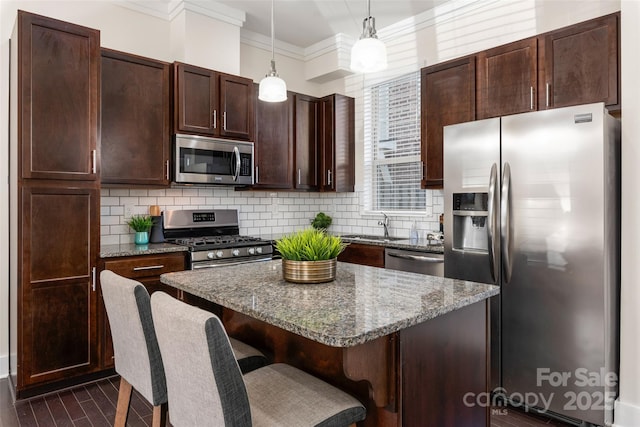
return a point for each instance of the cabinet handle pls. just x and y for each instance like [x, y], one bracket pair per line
[299, 179]
[531, 93]
[328, 176]
[257, 175]
[93, 279]
[148, 267]
[168, 177]
[93, 161]
[548, 86]
[215, 119]
[224, 120]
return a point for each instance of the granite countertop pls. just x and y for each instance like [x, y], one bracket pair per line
[130, 249]
[420, 246]
[362, 304]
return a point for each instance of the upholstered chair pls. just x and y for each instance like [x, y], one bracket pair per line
[137, 356]
[206, 388]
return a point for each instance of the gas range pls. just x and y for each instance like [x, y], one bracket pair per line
[213, 238]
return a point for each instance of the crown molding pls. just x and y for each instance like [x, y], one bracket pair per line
[261, 41]
[169, 9]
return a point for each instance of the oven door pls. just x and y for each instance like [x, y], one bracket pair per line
[201, 160]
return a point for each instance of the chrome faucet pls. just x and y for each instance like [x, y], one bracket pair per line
[385, 223]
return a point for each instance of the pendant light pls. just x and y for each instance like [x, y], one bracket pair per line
[272, 88]
[369, 54]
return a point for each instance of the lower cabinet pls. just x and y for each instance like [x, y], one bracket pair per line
[145, 269]
[357, 253]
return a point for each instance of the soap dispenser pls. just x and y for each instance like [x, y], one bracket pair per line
[413, 234]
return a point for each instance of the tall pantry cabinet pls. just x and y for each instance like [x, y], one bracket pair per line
[54, 191]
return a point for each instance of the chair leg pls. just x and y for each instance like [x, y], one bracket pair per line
[159, 416]
[124, 398]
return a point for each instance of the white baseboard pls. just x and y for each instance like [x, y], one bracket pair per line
[626, 415]
[4, 366]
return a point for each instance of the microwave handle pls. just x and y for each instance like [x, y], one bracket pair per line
[236, 153]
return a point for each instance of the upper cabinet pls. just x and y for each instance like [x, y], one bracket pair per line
[336, 130]
[274, 144]
[306, 143]
[508, 79]
[59, 88]
[213, 104]
[581, 64]
[136, 139]
[451, 84]
[575, 65]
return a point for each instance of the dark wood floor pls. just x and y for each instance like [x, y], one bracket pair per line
[94, 404]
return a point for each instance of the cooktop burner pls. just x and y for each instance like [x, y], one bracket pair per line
[206, 242]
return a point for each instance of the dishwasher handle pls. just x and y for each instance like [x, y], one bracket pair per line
[420, 258]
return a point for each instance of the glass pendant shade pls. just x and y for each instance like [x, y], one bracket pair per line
[272, 89]
[368, 55]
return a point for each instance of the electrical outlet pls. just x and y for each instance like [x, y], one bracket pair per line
[128, 211]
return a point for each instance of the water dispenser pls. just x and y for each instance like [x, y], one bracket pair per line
[470, 222]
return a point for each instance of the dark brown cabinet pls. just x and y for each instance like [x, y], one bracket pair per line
[357, 253]
[57, 80]
[306, 143]
[581, 64]
[136, 139]
[274, 144]
[213, 104]
[336, 150]
[451, 84]
[145, 269]
[59, 231]
[508, 79]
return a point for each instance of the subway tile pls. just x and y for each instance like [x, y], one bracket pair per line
[148, 201]
[109, 201]
[119, 192]
[138, 193]
[173, 192]
[166, 201]
[157, 193]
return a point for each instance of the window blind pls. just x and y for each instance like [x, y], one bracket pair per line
[392, 165]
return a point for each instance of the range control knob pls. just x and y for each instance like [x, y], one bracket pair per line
[235, 252]
[219, 254]
[211, 255]
[259, 250]
[251, 251]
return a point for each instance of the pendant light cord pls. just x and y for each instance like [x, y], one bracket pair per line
[273, 50]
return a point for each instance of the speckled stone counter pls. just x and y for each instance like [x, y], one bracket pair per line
[399, 244]
[362, 304]
[112, 251]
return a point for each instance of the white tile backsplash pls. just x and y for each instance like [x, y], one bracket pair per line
[260, 213]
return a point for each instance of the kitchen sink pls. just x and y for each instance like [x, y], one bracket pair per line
[371, 238]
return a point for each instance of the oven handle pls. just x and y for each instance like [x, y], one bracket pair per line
[226, 264]
[416, 257]
[236, 153]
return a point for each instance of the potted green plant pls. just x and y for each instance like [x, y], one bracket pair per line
[141, 224]
[321, 221]
[309, 256]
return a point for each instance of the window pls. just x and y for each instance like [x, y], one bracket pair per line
[392, 165]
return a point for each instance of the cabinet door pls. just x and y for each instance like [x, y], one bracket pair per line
[337, 143]
[448, 96]
[237, 105]
[196, 94]
[274, 144]
[581, 64]
[59, 92]
[58, 254]
[357, 253]
[507, 79]
[135, 120]
[306, 143]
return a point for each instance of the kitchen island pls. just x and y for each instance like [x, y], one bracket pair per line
[412, 348]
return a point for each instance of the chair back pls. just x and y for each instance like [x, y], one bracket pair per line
[135, 346]
[204, 382]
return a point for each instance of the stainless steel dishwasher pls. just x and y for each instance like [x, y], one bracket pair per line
[414, 261]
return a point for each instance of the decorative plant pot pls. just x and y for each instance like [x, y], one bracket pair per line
[309, 271]
[142, 237]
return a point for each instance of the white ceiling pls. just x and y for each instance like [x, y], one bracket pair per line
[303, 23]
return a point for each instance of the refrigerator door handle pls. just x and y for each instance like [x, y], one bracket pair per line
[505, 224]
[492, 226]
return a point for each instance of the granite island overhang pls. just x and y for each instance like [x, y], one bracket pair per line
[419, 342]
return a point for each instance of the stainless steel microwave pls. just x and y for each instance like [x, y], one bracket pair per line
[202, 160]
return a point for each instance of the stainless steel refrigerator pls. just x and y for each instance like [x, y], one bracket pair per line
[532, 203]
